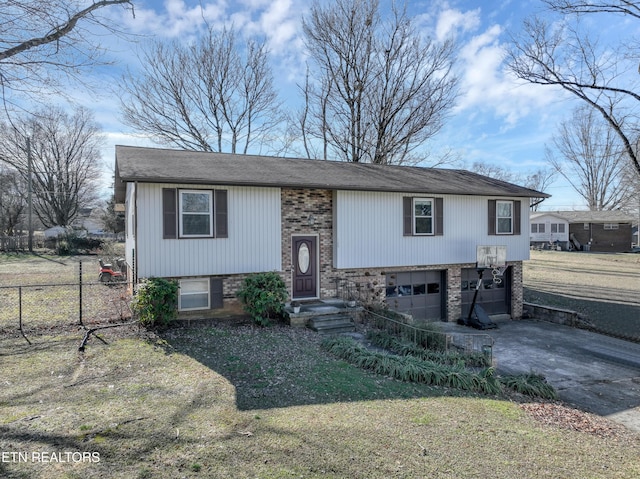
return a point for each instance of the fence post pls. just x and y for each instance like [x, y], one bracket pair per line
[80, 293]
[20, 308]
[20, 314]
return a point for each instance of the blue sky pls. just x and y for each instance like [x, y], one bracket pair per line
[497, 119]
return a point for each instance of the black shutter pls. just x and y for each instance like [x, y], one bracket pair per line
[439, 223]
[517, 215]
[492, 217]
[169, 213]
[216, 293]
[220, 205]
[407, 216]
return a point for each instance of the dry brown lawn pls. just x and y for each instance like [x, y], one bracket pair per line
[603, 288]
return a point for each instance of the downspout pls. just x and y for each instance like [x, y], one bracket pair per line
[135, 231]
[536, 203]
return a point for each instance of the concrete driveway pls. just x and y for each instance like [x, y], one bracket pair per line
[590, 371]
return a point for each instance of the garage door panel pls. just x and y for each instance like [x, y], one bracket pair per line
[418, 293]
[492, 296]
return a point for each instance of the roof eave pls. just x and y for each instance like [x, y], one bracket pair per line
[324, 186]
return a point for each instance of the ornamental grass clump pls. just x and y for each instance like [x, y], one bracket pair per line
[534, 385]
[390, 342]
[413, 369]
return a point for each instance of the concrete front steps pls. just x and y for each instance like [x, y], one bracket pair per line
[325, 316]
[332, 323]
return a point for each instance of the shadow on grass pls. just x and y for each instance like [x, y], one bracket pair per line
[282, 366]
[616, 319]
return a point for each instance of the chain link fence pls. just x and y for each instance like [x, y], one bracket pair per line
[86, 302]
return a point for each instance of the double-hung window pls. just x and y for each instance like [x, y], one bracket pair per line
[196, 213]
[192, 213]
[423, 216]
[504, 217]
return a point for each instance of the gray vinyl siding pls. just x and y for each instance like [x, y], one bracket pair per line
[369, 232]
[253, 243]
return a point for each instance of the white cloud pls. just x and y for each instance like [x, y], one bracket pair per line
[174, 18]
[488, 85]
[451, 20]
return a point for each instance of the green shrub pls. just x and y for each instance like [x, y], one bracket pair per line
[156, 303]
[263, 296]
[70, 243]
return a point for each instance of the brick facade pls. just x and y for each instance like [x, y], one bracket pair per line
[603, 240]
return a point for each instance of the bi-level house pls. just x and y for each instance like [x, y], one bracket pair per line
[405, 235]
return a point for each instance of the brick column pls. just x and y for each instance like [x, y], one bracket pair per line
[517, 292]
[454, 293]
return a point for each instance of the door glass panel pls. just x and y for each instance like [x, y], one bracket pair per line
[433, 288]
[418, 289]
[303, 258]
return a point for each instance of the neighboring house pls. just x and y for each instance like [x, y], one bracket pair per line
[549, 230]
[55, 231]
[407, 235]
[89, 221]
[603, 231]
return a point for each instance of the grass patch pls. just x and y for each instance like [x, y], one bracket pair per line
[173, 408]
[601, 287]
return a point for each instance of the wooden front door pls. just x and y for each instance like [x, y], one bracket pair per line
[304, 256]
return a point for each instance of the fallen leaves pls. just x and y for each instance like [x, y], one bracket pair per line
[554, 414]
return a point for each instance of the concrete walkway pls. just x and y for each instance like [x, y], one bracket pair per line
[590, 371]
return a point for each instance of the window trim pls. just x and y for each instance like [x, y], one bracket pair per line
[511, 218]
[415, 217]
[408, 216]
[516, 223]
[181, 213]
[172, 215]
[194, 280]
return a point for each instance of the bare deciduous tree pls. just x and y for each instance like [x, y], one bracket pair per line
[379, 90]
[606, 79]
[495, 171]
[65, 154]
[46, 42]
[12, 200]
[209, 96]
[538, 180]
[592, 159]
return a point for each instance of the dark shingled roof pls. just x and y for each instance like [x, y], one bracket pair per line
[154, 165]
[594, 216]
